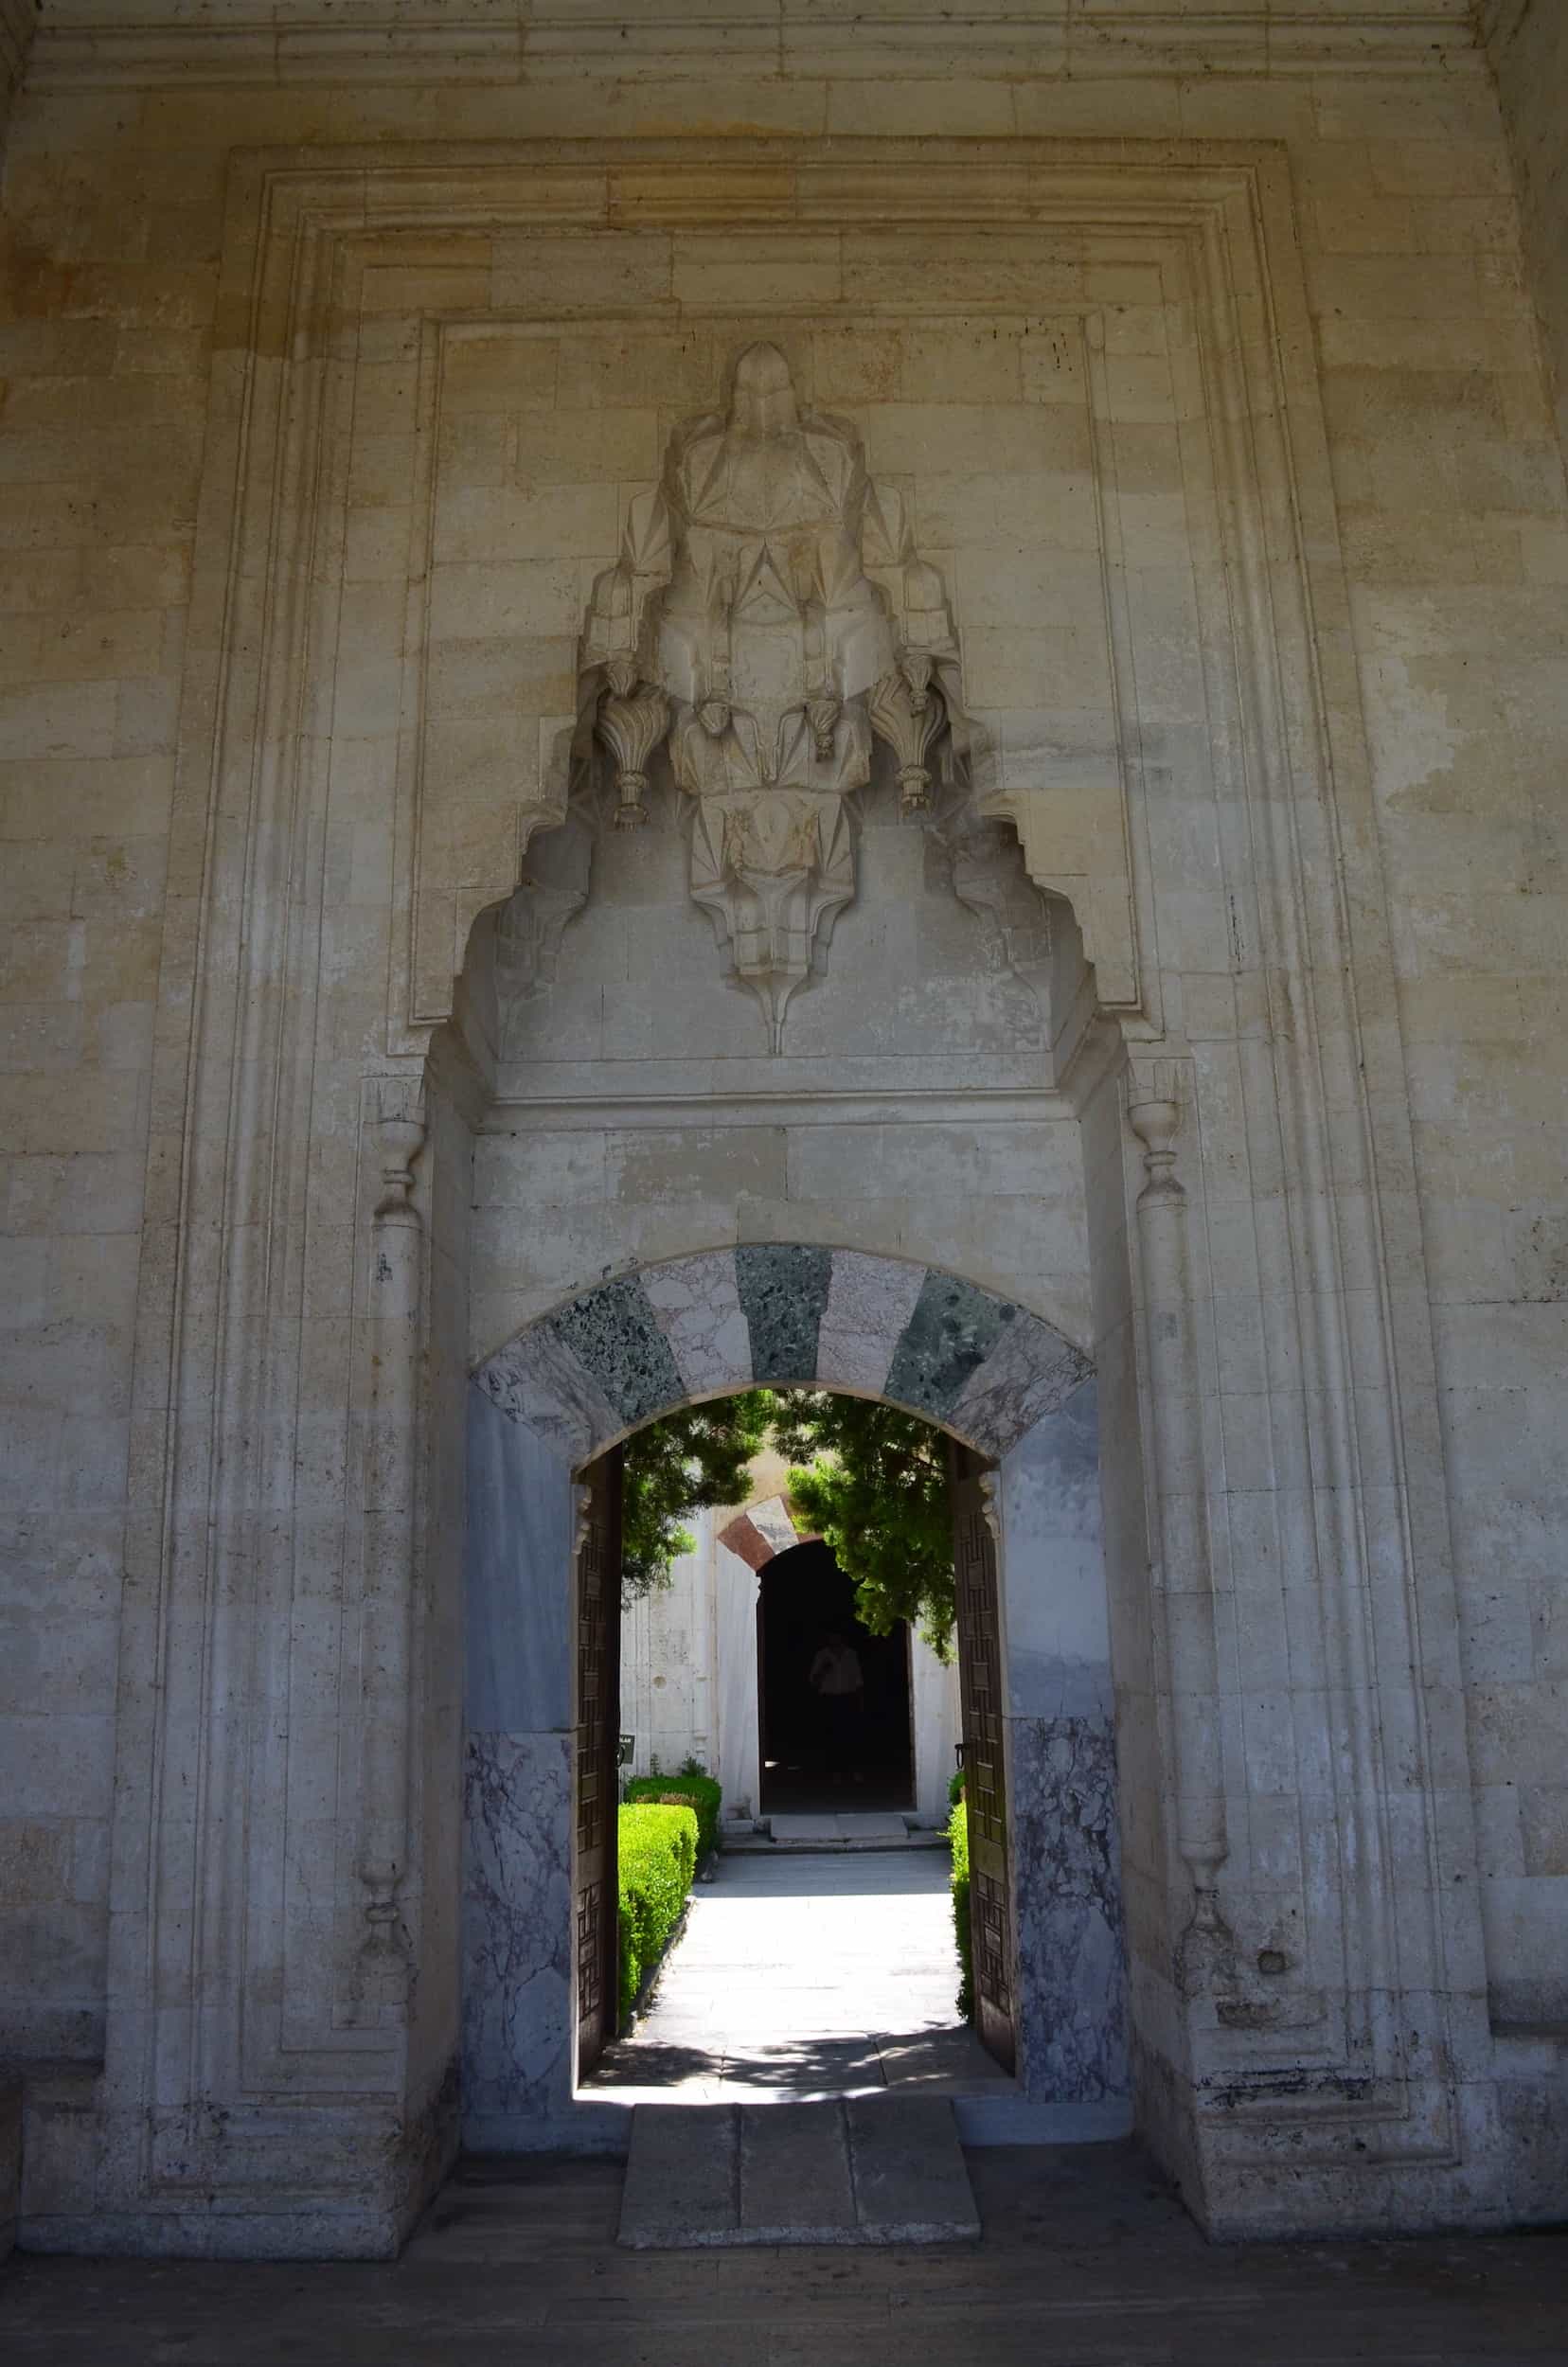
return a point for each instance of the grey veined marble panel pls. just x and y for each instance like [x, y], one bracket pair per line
[783, 1289]
[1030, 1371]
[871, 1301]
[517, 1925]
[697, 1307]
[1072, 1990]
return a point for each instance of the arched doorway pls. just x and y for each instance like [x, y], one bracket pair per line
[543, 1411]
[804, 1603]
[768, 1530]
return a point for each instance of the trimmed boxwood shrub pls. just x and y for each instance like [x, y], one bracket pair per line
[693, 1790]
[958, 1837]
[658, 1857]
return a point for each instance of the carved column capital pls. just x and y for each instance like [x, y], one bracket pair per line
[397, 1119]
[1156, 1124]
[1156, 1109]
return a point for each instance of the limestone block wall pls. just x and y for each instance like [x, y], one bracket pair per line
[669, 1663]
[1514, 1363]
[1527, 42]
[1449, 508]
[18, 20]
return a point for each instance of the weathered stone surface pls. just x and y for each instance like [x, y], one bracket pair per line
[518, 2002]
[697, 1305]
[516, 2252]
[1248, 496]
[1068, 1906]
[1029, 1373]
[614, 1335]
[682, 2178]
[869, 1302]
[947, 1338]
[540, 1381]
[794, 2175]
[522, 1523]
[740, 624]
[773, 1516]
[911, 2186]
[871, 2171]
[1528, 45]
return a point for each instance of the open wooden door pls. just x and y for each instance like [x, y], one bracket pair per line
[980, 1691]
[597, 1737]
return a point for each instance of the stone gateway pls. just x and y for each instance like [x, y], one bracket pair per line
[871, 703]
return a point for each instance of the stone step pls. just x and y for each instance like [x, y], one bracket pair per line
[831, 1830]
[856, 2170]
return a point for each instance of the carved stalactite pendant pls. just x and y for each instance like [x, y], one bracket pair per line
[741, 629]
[907, 712]
[631, 720]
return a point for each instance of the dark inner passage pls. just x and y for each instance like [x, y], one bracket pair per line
[814, 1756]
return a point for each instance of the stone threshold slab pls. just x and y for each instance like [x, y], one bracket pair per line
[830, 1829]
[756, 1847]
[855, 2170]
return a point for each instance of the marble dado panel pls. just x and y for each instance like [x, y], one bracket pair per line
[518, 1998]
[614, 1357]
[1062, 1790]
[1071, 1993]
[1003, 432]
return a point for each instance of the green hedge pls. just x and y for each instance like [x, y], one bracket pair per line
[958, 1837]
[658, 1857]
[695, 1791]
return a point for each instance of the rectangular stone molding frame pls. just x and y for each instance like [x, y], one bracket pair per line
[253, 2100]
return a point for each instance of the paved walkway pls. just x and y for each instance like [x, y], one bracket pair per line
[803, 1975]
[1086, 2260]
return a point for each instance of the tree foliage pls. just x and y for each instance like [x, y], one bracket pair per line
[869, 1480]
[677, 1465]
[872, 1481]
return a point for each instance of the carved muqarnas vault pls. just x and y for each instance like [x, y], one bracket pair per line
[767, 619]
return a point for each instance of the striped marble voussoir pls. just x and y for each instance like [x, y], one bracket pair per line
[783, 1313]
